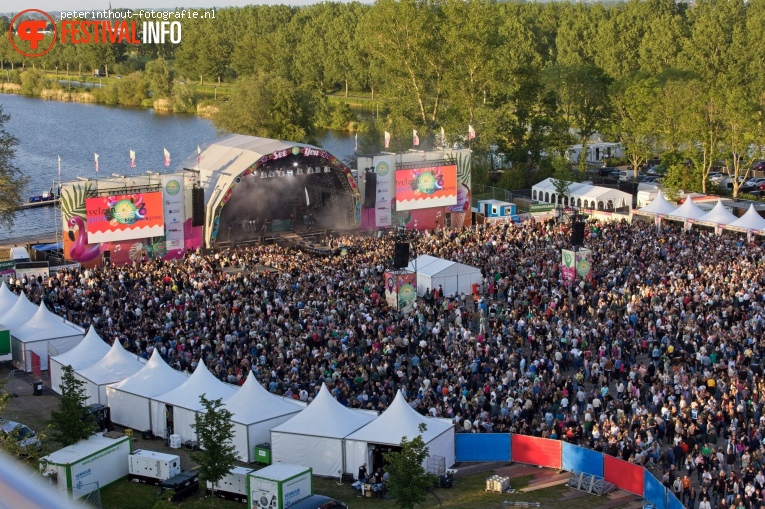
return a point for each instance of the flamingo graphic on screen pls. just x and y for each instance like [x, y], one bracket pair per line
[81, 251]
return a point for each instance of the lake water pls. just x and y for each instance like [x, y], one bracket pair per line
[75, 131]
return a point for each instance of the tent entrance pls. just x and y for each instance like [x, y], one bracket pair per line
[377, 454]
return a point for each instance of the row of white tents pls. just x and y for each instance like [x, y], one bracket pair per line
[324, 435]
[719, 217]
[35, 331]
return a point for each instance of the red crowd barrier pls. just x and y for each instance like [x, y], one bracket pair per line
[538, 451]
[624, 475]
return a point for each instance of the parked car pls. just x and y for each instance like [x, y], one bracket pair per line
[26, 437]
[715, 176]
[755, 181]
[758, 166]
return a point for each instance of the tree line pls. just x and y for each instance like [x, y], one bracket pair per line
[684, 81]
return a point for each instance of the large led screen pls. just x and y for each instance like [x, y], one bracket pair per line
[124, 217]
[422, 188]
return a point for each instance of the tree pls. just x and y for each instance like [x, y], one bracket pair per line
[69, 424]
[215, 431]
[561, 179]
[742, 135]
[12, 183]
[632, 100]
[408, 481]
[159, 78]
[269, 107]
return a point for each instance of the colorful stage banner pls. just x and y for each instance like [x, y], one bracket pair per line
[385, 167]
[568, 265]
[584, 264]
[172, 193]
[537, 451]
[579, 459]
[420, 188]
[401, 290]
[624, 475]
[124, 217]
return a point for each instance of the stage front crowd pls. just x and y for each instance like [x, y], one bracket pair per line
[656, 359]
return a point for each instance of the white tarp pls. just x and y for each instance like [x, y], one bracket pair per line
[688, 210]
[116, 365]
[750, 221]
[397, 421]
[314, 437]
[89, 351]
[41, 330]
[255, 412]
[19, 314]
[7, 298]
[185, 402]
[658, 206]
[453, 277]
[130, 399]
[718, 216]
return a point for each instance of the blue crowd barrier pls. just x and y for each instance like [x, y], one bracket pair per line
[673, 502]
[482, 447]
[579, 459]
[655, 492]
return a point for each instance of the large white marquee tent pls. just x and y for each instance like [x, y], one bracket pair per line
[130, 399]
[453, 277]
[255, 412]
[183, 402]
[116, 365]
[314, 437]
[582, 196]
[397, 421]
[21, 312]
[88, 352]
[718, 217]
[44, 332]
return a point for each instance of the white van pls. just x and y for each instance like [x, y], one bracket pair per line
[19, 254]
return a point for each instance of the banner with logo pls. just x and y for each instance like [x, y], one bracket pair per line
[391, 296]
[568, 265]
[584, 264]
[385, 169]
[401, 290]
[124, 216]
[172, 194]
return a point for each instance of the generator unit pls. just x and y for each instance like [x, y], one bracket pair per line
[183, 485]
[233, 486]
[150, 467]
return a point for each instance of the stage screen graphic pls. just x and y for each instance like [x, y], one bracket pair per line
[421, 188]
[124, 216]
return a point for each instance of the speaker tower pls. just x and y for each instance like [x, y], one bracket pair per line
[197, 206]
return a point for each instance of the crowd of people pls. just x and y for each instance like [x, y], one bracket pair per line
[654, 358]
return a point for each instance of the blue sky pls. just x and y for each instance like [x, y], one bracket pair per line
[86, 5]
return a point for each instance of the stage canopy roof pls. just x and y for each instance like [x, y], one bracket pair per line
[222, 163]
[582, 195]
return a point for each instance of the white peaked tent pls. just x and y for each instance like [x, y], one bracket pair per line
[397, 421]
[255, 411]
[130, 399]
[90, 350]
[19, 314]
[688, 210]
[42, 334]
[658, 206]
[314, 437]
[116, 365]
[7, 298]
[185, 403]
[750, 221]
[453, 277]
[719, 215]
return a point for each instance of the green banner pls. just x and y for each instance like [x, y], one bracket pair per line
[5, 342]
[541, 207]
[7, 265]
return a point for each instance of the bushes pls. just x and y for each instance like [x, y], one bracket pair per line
[184, 98]
[33, 82]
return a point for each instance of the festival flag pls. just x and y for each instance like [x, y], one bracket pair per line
[307, 198]
[387, 139]
[132, 159]
[59, 167]
[199, 155]
[415, 138]
[96, 158]
[356, 142]
[167, 157]
[471, 133]
[443, 135]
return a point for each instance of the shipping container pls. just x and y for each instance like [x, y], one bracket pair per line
[233, 486]
[279, 486]
[152, 467]
[87, 465]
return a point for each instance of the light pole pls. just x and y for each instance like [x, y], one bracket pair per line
[215, 91]
[8, 75]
